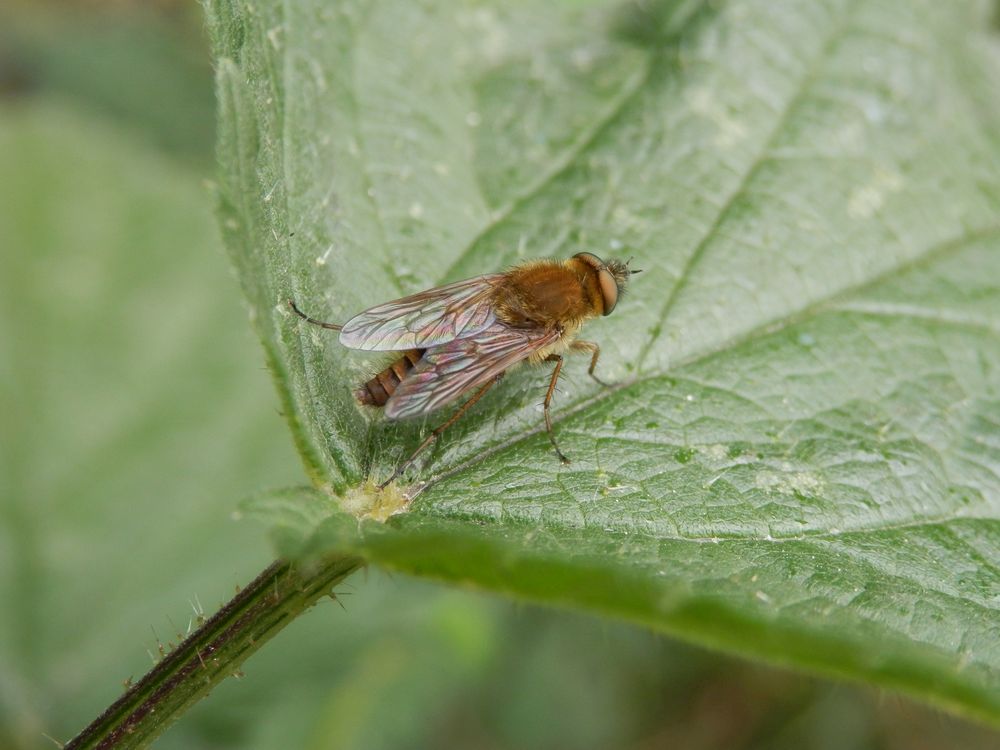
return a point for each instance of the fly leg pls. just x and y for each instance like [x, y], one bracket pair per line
[548, 401]
[441, 428]
[595, 350]
[320, 323]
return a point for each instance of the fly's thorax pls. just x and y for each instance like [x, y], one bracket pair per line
[542, 294]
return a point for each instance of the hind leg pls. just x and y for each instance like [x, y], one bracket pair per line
[441, 428]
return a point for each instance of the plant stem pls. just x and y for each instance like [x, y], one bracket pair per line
[213, 652]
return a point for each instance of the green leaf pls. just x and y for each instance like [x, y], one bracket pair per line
[800, 460]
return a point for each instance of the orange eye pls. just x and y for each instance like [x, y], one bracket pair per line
[609, 290]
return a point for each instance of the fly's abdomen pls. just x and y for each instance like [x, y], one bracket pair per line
[382, 385]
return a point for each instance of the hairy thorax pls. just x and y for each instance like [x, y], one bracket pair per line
[547, 294]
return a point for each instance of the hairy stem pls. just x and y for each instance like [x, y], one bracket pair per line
[213, 652]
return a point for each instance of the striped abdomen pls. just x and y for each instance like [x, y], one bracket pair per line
[378, 390]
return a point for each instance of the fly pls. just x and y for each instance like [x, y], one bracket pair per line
[462, 337]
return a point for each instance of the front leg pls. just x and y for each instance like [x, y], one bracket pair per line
[595, 350]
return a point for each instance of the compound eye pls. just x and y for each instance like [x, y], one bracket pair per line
[590, 259]
[609, 289]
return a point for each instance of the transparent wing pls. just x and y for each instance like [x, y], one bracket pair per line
[425, 319]
[447, 371]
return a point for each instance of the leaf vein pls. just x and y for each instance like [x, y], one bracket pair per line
[560, 166]
[913, 312]
[932, 254]
[700, 249]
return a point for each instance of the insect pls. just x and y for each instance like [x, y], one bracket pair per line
[464, 336]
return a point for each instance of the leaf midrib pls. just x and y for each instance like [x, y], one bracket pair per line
[816, 535]
[822, 540]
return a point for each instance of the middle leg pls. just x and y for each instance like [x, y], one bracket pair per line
[548, 401]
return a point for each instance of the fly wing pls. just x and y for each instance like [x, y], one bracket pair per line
[425, 319]
[447, 371]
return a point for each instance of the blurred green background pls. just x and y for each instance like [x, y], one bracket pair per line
[137, 413]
